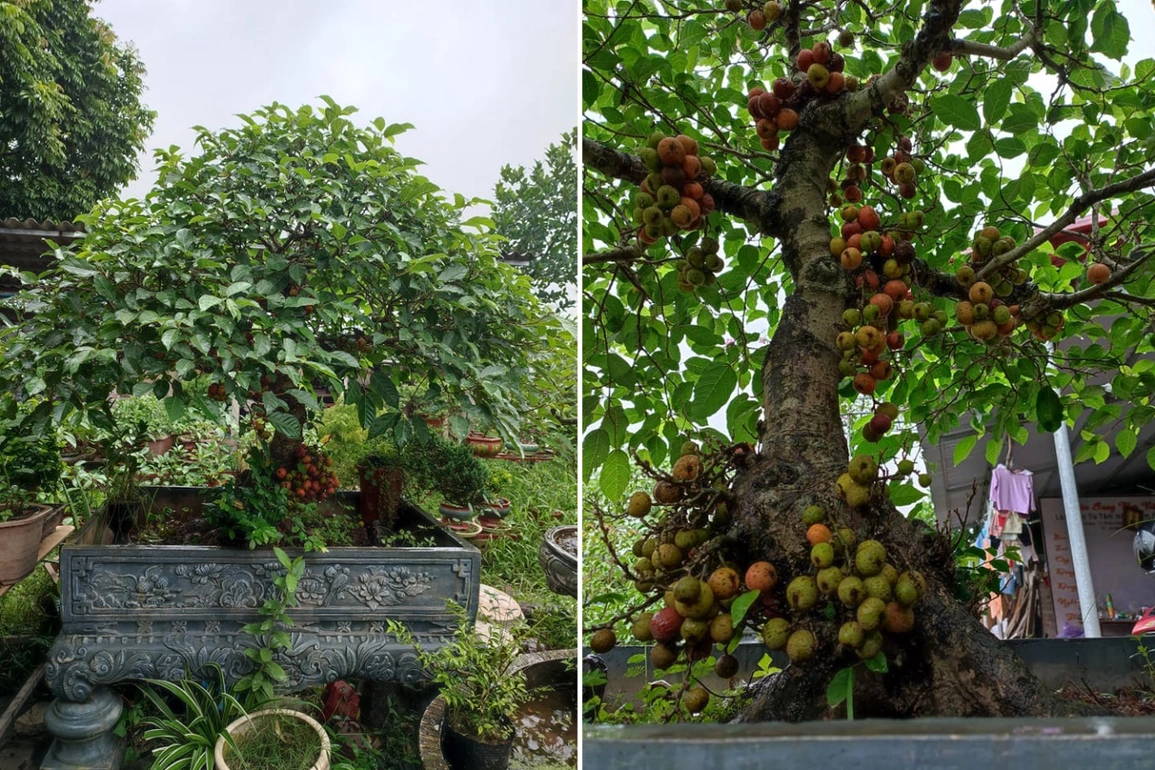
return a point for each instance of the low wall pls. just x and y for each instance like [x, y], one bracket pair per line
[1104, 665]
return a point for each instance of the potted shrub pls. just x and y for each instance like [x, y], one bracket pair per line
[30, 466]
[22, 522]
[450, 469]
[234, 285]
[151, 423]
[382, 479]
[482, 689]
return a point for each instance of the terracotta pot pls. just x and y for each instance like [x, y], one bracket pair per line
[380, 495]
[161, 445]
[19, 544]
[52, 521]
[251, 721]
[467, 530]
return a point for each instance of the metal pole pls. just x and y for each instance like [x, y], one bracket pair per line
[1087, 605]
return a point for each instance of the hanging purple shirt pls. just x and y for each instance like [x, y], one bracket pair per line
[1012, 490]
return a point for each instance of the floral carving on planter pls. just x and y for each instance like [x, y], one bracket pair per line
[381, 587]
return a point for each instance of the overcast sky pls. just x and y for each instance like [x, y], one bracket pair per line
[484, 82]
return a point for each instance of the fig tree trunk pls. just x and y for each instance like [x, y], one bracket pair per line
[950, 665]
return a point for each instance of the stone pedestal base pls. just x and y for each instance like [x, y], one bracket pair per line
[84, 737]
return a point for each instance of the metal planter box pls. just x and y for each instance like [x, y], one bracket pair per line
[143, 611]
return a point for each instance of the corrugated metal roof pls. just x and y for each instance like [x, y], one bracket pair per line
[23, 246]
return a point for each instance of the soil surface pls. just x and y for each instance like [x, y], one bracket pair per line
[568, 540]
[200, 532]
[1128, 702]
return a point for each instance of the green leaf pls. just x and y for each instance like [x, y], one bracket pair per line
[1126, 442]
[1048, 410]
[956, 111]
[285, 423]
[877, 664]
[840, 686]
[615, 475]
[713, 390]
[595, 450]
[963, 448]
[208, 301]
[175, 407]
[741, 606]
[996, 99]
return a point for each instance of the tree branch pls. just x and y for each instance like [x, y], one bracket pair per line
[1061, 301]
[1130, 299]
[971, 48]
[738, 201]
[1078, 206]
[628, 253]
[931, 40]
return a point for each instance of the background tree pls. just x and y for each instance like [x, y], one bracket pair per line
[1025, 122]
[535, 210]
[295, 252]
[71, 120]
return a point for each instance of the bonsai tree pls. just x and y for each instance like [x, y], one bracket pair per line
[810, 228]
[297, 251]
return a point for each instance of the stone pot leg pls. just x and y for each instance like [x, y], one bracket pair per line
[83, 733]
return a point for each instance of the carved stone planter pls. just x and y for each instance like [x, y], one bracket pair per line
[558, 557]
[135, 612]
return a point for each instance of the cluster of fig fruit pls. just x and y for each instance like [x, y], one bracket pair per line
[777, 109]
[700, 265]
[902, 169]
[874, 597]
[984, 314]
[312, 479]
[217, 391]
[672, 197]
[758, 17]
[678, 561]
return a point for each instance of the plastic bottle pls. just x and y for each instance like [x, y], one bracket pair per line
[1110, 608]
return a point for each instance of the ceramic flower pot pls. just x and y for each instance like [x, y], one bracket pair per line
[19, 543]
[455, 512]
[483, 446]
[161, 445]
[464, 750]
[498, 508]
[262, 720]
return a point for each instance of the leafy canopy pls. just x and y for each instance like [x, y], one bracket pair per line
[71, 120]
[1032, 121]
[295, 251]
[535, 210]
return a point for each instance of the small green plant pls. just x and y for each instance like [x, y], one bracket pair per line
[207, 465]
[407, 538]
[841, 687]
[185, 738]
[475, 676]
[146, 414]
[271, 632]
[15, 502]
[1144, 655]
[250, 508]
[275, 741]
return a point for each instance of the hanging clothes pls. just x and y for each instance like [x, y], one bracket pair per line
[1012, 490]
